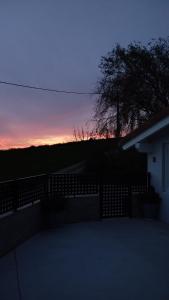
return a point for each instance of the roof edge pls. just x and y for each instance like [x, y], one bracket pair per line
[152, 126]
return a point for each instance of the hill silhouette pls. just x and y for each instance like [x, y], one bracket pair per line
[15, 163]
[99, 155]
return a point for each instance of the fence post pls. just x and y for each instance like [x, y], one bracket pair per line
[129, 201]
[44, 200]
[100, 185]
[148, 181]
[46, 187]
[15, 195]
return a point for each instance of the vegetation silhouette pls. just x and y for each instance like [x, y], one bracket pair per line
[16, 163]
[133, 87]
[100, 155]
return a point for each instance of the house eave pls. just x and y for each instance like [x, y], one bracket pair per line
[142, 137]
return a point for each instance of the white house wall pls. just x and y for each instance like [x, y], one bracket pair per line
[155, 167]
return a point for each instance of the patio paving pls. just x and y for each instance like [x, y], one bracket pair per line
[111, 259]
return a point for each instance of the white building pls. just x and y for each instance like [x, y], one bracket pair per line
[153, 138]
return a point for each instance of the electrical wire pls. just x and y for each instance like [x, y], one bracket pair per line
[47, 89]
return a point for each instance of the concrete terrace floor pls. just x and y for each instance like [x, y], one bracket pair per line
[111, 259]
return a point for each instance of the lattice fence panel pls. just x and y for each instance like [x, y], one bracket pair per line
[114, 200]
[139, 188]
[72, 184]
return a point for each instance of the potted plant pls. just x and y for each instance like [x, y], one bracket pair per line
[150, 204]
[136, 206]
[146, 204]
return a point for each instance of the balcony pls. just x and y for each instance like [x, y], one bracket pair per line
[50, 255]
[112, 259]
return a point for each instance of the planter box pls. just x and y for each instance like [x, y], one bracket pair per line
[151, 210]
[146, 204]
[136, 207]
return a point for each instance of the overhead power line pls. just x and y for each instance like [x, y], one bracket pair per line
[46, 89]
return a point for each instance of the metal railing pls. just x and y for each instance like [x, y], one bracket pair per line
[16, 194]
[113, 190]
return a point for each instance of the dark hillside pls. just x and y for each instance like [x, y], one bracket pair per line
[117, 161]
[17, 163]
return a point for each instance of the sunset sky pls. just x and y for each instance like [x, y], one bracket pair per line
[58, 44]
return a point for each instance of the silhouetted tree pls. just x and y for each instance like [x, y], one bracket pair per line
[82, 134]
[134, 86]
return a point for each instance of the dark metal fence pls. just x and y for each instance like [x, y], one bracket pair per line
[73, 184]
[15, 194]
[114, 190]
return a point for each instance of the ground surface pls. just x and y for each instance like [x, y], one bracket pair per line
[111, 259]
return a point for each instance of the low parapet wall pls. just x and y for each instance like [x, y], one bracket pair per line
[83, 208]
[78, 208]
[19, 226]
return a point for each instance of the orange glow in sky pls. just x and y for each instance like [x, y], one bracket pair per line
[49, 140]
[8, 143]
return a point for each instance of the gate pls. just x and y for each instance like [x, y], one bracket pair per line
[116, 191]
[114, 200]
